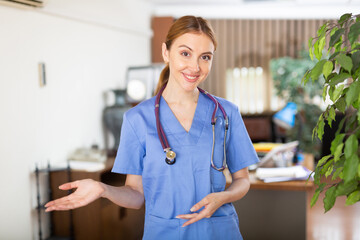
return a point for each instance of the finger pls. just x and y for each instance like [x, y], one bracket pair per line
[66, 205]
[51, 203]
[187, 216]
[200, 216]
[69, 185]
[199, 205]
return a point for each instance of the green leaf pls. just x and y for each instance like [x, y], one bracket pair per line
[325, 168]
[324, 93]
[350, 168]
[329, 171]
[332, 116]
[317, 176]
[338, 46]
[345, 62]
[327, 68]
[356, 60]
[341, 105]
[338, 140]
[311, 54]
[351, 146]
[358, 171]
[321, 31]
[354, 32]
[321, 46]
[353, 198]
[306, 77]
[344, 18]
[320, 130]
[316, 194]
[318, 47]
[336, 173]
[333, 55]
[336, 37]
[323, 160]
[337, 92]
[338, 152]
[317, 69]
[358, 116]
[338, 78]
[346, 188]
[329, 199]
[353, 93]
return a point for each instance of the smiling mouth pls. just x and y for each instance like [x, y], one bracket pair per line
[191, 78]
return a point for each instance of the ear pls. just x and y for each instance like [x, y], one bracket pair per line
[165, 53]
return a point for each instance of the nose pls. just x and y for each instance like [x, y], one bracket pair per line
[194, 65]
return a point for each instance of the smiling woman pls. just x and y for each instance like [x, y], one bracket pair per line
[185, 199]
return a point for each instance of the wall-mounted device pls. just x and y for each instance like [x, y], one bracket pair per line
[141, 82]
[42, 74]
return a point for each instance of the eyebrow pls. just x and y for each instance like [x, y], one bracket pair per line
[192, 50]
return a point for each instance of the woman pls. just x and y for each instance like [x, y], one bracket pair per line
[185, 197]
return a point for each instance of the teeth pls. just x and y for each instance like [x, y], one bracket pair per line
[190, 77]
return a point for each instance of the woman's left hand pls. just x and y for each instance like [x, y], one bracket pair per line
[210, 203]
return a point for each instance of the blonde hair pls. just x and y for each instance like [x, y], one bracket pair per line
[185, 24]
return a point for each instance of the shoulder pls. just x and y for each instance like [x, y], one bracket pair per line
[141, 110]
[227, 104]
[230, 108]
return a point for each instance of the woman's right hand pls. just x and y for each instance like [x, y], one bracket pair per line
[87, 191]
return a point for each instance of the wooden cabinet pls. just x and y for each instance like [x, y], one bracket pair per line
[101, 219]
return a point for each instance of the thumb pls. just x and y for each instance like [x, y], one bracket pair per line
[69, 185]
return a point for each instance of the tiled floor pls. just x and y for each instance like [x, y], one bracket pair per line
[340, 223]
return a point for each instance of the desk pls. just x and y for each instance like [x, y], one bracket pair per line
[275, 210]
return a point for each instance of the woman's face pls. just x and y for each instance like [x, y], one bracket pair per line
[190, 58]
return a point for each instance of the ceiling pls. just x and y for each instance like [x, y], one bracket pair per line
[225, 2]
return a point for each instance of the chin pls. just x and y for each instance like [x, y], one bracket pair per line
[190, 86]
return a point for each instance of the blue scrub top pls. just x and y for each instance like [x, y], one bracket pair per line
[171, 190]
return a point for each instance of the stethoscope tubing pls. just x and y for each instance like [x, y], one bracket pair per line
[170, 155]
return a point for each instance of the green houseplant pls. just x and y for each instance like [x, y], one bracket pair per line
[286, 73]
[341, 70]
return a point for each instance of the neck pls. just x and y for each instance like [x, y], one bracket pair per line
[173, 93]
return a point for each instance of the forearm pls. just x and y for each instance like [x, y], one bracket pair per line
[124, 196]
[237, 190]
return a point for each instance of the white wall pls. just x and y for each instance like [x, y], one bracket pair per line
[86, 51]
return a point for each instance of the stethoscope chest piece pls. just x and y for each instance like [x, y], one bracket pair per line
[170, 157]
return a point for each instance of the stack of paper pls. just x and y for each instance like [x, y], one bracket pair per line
[86, 166]
[283, 174]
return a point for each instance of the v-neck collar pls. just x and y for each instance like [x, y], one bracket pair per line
[172, 126]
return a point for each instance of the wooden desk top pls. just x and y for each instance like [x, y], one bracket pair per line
[287, 186]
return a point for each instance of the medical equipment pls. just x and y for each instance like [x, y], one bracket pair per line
[171, 155]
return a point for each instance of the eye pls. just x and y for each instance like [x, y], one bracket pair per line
[185, 54]
[206, 57]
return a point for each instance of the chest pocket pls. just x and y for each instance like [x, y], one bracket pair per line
[217, 178]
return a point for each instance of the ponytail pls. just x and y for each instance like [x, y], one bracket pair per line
[163, 79]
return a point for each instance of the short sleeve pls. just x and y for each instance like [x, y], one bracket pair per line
[240, 150]
[130, 154]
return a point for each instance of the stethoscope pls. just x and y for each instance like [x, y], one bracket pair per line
[171, 155]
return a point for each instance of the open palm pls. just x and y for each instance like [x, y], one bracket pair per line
[87, 191]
